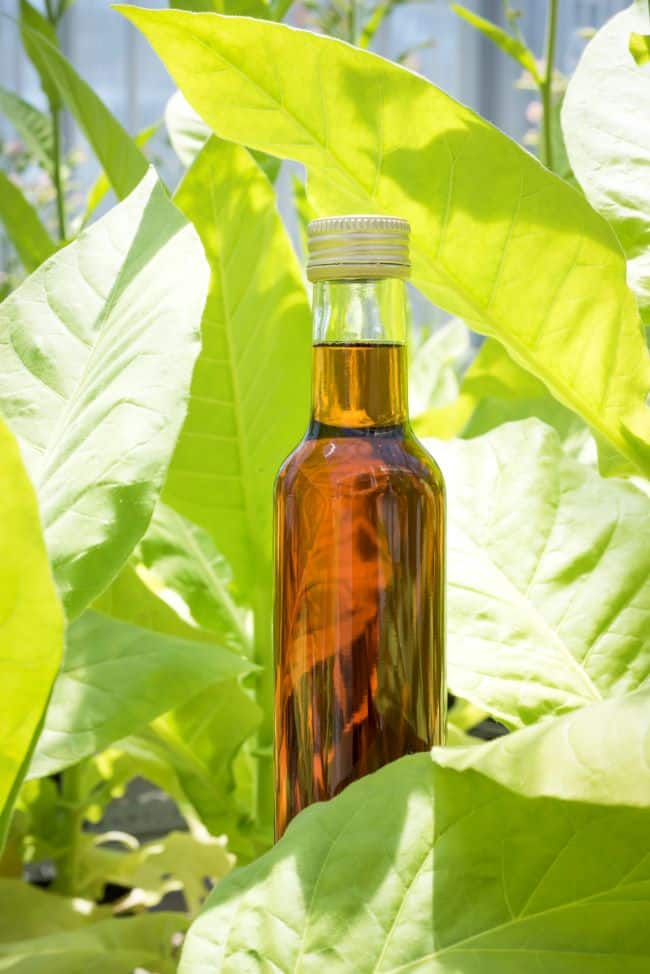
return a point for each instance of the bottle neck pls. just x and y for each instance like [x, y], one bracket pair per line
[359, 376]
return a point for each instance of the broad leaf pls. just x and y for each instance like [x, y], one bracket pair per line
[608, 139]
[33, 126]
[188, 133]
[549, 576]
[119, 156]
[435, 366]
[108, 947]
[497, 239]
[27, 911]
[564, 748]
[511, 46]
[96, 350]
[115, 679]
[31, 625]
[249, 395]
[422, 868]
[183, 559]
[102, 185]
[21, 221]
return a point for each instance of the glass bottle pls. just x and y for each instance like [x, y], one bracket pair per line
[359, 624]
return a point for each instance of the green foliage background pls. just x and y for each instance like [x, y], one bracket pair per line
[155, 372]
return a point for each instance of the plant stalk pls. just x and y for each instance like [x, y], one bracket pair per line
[56, 173]
[265, 799]
[72, 809]
[546, 87]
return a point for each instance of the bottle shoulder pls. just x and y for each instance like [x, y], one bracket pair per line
[386, 462]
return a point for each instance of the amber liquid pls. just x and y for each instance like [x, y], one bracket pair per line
[359, 620]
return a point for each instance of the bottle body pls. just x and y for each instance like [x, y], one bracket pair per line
[360, 598]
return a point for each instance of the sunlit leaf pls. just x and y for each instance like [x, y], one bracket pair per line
[639, 47]
[31, 625]
[183, 558]
[549, 576]
[248, 403]
[608, 139]
[423, 868]
[497, 239]
[96, 350]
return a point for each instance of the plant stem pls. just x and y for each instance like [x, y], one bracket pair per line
[72, 808]
[53, 15]
[547, 84]
[56, 174]
[265, 698]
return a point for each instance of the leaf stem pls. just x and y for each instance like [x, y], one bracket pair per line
[546, 87]
[53, 15]
[71, 808]
[56, 172]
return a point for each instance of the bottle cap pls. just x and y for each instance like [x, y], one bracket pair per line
[358, 248]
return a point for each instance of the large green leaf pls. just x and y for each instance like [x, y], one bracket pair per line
[183, 559]
[33, 126]
[604, 119]
[115, 679]
[119, 156]
[585, 738]
[96, 352]
[108, 947]
[249, 395]
[28, 235]
[497, 239]
[549, 576]
[34, 29]
[422, 868]
[31, 624]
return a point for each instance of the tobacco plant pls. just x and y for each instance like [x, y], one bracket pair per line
[155, 371]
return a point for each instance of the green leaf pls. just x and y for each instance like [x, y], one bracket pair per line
[201, 741]
[28, 235]
[101, 187]
[177, 862]
[115, 679]
[26, 912]
[96, 350]
[248, 404]
[33, 126]
[549, 576]
[108, 947]
[504, 392]
[608, 140]
[249, 8]
[35, 29]
[182, 558]
[639, 47]
[423, 868]
[188, 133]
[512, 46]
[118, 155]
[564, 748]
[496, 238]
[434, 368]
[31, 625]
